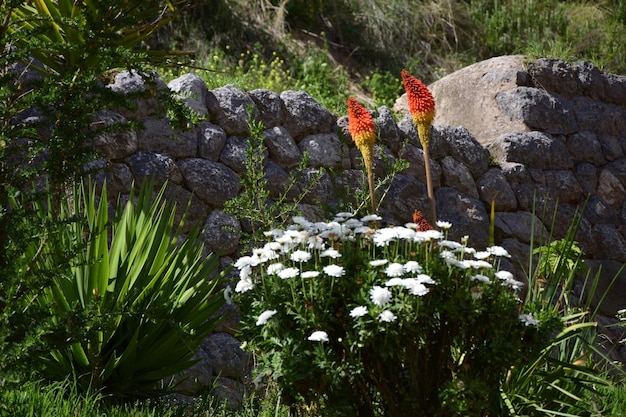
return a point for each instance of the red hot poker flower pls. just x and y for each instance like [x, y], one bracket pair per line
[421, 222]
[421, 101]
[360, 124]
[363, 131]
[422, 109]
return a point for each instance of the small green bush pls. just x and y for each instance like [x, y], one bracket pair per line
[353, 320]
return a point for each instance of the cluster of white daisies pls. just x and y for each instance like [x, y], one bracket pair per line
[288, 253]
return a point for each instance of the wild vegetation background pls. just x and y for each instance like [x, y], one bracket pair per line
[362, 45]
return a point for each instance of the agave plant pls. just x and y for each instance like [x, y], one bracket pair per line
[136, 302]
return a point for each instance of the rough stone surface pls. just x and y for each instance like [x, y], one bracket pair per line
[225, 350]
[222, 232]
[457, 176]
[150, 164]
[468, 215]
[324, 150]
[538, 110]
[521, 226]
[213, 182]
[116, 144]
[493, 186]
[228, 107]
[282, 147]
[157, 135]
[193, 91]
[211, 141]
[533, 149]
[271, 108]
[305, 116]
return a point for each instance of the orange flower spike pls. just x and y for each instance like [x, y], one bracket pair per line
[422, 109]
[363, 131]
[421, 105]
[361, 125]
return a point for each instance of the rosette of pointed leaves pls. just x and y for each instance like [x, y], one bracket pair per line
[136, 303]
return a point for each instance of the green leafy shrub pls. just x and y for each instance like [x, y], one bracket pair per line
[136, 302]
[255, 205]
[353, 320]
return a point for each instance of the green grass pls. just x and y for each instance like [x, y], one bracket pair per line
[612, 399]
[34, 399]
[61, 399]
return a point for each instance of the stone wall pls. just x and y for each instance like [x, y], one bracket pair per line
[522, 134]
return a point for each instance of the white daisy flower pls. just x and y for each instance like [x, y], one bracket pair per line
[476, 292]
[498, 251]
[245, 272]
[380, 296]
[394, 270]
[331, 253]
[275, 268]
[244, 285]
[425, 279]
[412, 267]
[417, 288]
[344, 215]
[318, 336]
[378, 262]
[371, 218]
[395, 282]
[359, 311]
[383, 237]
[288, 273]
[310, 274]
[528, 319]
[481, 278]
[243, 262]
[387, 316]
[428, 235]
[457, 263]
[316, 242]
[300, 256]
[265, 316]
[443, 224]
[334, 270]
[482, 255]
[450, 244]
[478, 264]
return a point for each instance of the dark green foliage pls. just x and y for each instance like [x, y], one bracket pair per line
[47, 108]
[135, 303]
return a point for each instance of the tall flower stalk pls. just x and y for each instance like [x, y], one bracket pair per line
[422, 110]
[363, 131]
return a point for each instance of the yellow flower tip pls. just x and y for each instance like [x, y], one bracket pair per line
[421, 101]
[361, 125]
